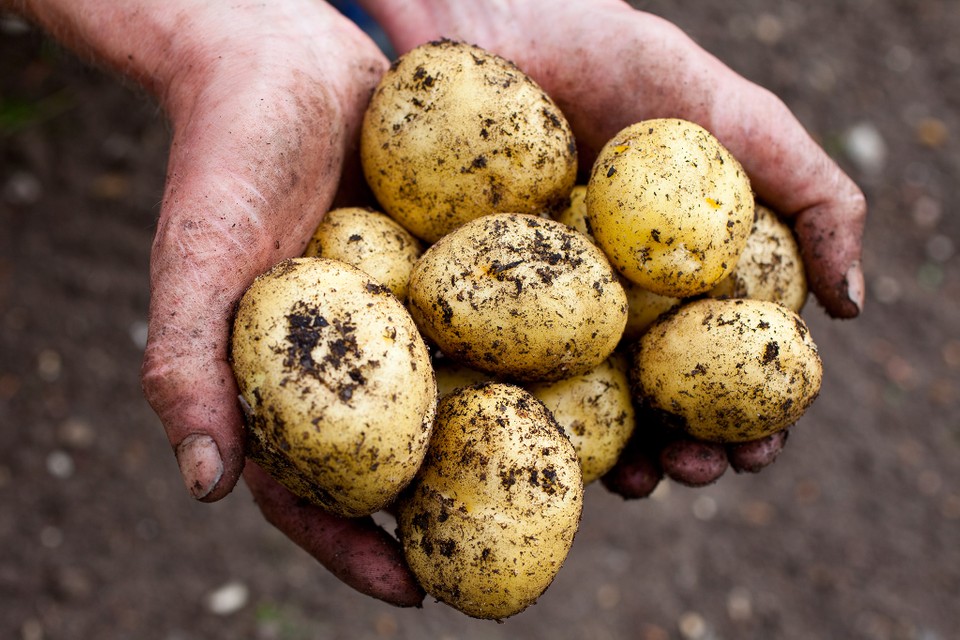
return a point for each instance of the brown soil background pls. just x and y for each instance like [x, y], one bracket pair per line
[853, 533]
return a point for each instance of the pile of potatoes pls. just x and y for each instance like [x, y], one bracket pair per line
[475, 353]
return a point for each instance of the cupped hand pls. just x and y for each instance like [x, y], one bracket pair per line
[265, 110]
[608, 66]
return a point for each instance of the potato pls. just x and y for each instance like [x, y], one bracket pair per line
[643, 306]
[492, 514]
[770, 267]
[370, 241]
[595, 411]
[728, 370]
[454, 132]
[670, 206]
[520, 297]
[336, 382]
[452, 375]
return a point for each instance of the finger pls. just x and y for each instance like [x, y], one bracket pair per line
[751, 457]
[693, 463]
[635, 475]
[355, 550]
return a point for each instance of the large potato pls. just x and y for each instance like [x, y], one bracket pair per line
[489, 519]
[670, 206]
[728, 370]
[370, 241]
[337, 384]
[454, 132]
[770, 267]
[595, 411]
[643, 306]
[520, 297]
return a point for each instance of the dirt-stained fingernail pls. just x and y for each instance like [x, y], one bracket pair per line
[200, 464]
[855, 288]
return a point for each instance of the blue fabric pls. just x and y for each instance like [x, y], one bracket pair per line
[363, 20]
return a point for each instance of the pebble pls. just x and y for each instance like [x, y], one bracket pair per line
[228, 599]
[866, 147]
[940, 248]
[608, 596]
[22, 188]
[932, 132]
[757, 512]
[899, 59]
[49, 365]
[704, 508]
[51, 537]
[692, 626]
[926, 212]
[138, 333]
[768, 29]
[76, 433]
[60, 465]
[887, 290]
[739, 604]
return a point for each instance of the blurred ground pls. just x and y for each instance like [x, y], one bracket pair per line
[854, 533]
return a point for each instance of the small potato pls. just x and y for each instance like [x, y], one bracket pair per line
[454, 132]
[452, 375]
[518, 296]
[728, 370]
[770, 267]
[643, 306]
[491, 516]
[370, 241]
[336, 382]
[670, 206]
[595, 410]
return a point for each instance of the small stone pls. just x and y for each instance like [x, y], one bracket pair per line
[386, 625]
[757, 512]
[51, 537]
[228, 599]
[739, 605]
[926, 212]
[899, 59]
[22, 188]
[940, 248]
[932, 132]
[60, 465]
[951, 354]
[49, 365]
[692, 626]
[866, 147]
[76, 433]
[768, 29]
[608, 597]
[138, 333]
[887, 290]
[704, 508]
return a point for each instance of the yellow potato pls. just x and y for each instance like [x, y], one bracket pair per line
[491, 516]
[595, 411]
[518, 296]
[670, 206]
[452, 375]
[770, 267]
[454, 132]
[336, 382]
[643, 306]
[370, 241]
[728, 370]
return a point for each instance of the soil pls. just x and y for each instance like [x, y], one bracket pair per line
[853, 533]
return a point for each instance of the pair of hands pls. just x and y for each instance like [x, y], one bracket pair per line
[266, 102]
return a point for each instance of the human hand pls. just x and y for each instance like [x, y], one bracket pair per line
[608, 66]
[265, 103]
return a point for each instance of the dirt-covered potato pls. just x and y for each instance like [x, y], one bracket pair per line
[728, 370]
[370, 241]
[770, 267]
[452, 375]
[518, 296]
[454, 132]
[670, 206]
[336, 382]
[595, 410]
[643, 306]
[489, 519]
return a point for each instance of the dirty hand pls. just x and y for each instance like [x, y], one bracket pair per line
[265, 102]
[609, 66]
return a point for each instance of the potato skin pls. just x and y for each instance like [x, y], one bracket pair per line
[370, 241]
[728, 370]
[770, 267]
[670, 206]
[595, 411]
[643, 306]
[454, 132]
[492, 514]
[520, 297]
[337, 384]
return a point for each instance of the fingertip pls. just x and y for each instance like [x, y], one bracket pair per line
[206, 474]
